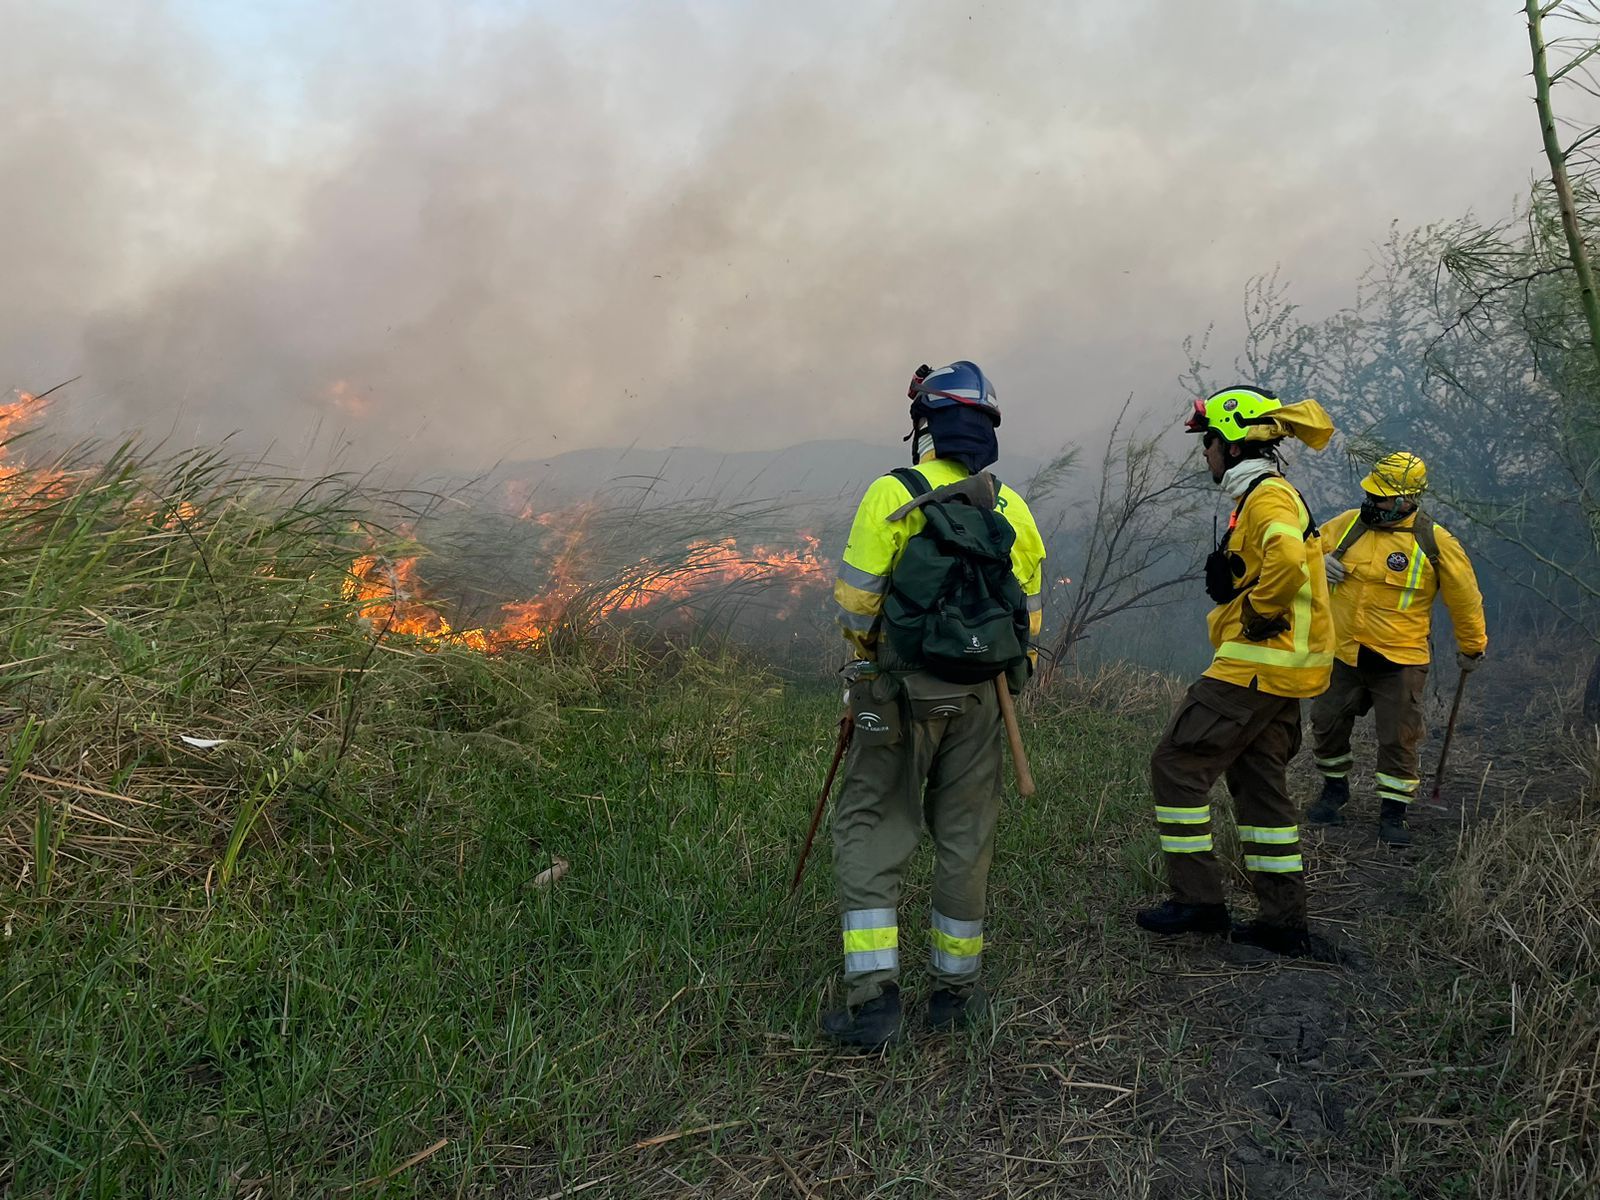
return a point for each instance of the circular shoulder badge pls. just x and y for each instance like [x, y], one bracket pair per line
[1398, 561]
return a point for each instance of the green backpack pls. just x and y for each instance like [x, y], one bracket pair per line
[954, 607]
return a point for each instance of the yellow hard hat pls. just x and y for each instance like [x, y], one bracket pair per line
[1398, 474]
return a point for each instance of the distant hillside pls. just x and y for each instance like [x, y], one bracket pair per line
[812, 469]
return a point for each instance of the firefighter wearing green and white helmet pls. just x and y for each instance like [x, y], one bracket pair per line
[1274, 646]
[1388, 560]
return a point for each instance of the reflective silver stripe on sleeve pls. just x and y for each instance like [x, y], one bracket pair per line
[1036, 603]
[856, 622]
[865, 580]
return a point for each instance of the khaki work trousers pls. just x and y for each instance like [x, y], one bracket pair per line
[1393, 693]
[924, 752]
[1249, 736]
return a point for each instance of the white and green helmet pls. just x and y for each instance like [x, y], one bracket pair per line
[1231, 412]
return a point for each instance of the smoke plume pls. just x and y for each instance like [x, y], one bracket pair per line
[447, 234]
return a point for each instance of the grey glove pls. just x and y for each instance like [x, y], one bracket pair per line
[1468, 662]
[1335, 568]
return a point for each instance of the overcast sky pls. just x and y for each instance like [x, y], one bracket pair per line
[459, 232]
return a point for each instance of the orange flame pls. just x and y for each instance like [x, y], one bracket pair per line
[344, 396]
[19, 412]
[17, 483]
[389, 593]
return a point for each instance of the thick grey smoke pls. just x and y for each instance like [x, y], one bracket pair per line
[456, 233]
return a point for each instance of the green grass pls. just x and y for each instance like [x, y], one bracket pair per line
[1494, 1042]
[315, 961]
[292, 963]
[347, 1009]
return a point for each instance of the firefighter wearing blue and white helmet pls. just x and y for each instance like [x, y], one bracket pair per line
[927, 722]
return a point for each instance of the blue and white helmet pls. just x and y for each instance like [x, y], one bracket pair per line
[960, 383]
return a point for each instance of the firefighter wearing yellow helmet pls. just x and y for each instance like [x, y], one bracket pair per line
[1388, 561]
[1273, 641]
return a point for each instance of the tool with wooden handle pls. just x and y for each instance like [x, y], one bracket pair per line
[1449, 733]
[846, 728]
[1019, 756]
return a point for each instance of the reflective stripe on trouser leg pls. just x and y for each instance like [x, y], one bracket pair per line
[1280, 838]
[871, 940]
[1393, 787]
[1185, 839]
[1267, 815]
[1337, 767]
[957, 945]
[1333, 716]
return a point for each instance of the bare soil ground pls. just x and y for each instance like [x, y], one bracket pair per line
[1296, 1064]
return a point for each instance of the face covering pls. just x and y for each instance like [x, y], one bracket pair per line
[1383, 510]
[965, 435]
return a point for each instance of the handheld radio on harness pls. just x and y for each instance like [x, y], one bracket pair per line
[1225, 567]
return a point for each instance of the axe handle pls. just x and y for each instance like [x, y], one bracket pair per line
[1019, 756]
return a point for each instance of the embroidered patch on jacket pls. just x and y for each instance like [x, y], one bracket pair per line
[1398, 561]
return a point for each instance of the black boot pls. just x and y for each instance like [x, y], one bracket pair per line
[1291, 941]
[1328, 809]
[1392, 830]
[871, 1026]
[1174, 916]
[956, 1010]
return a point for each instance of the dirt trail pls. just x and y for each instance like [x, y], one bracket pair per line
[1285, 1046]
[1289, 1056]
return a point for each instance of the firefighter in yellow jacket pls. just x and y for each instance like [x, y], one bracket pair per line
[1387, 562]
[927, 745]
[1273, 642]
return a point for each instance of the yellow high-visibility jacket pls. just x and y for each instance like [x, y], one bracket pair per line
[876, 544]
[1284, 576]
[1386, 601]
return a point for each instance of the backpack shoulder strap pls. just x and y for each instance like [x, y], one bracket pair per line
[1312, 529]
[980, 490]
[1350, 536]
[915, 481]
[1427, 540]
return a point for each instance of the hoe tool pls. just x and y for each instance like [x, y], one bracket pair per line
[1449, 732]
[847, 727]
